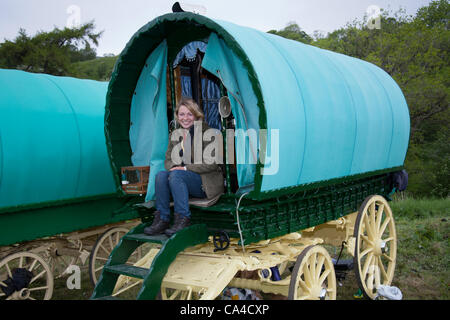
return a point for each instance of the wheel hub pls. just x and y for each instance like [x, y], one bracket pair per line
[319, 292]
[380, 247]
[323, 294]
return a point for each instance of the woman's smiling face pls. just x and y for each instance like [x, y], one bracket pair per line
[185, 117]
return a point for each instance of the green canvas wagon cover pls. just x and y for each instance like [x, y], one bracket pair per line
[328, 116]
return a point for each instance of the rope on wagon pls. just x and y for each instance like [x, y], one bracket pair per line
[239, 223]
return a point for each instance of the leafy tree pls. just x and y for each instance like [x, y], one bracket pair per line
[294, 32]
[50, 52]
[414, 51]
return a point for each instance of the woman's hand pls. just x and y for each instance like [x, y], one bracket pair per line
[178, 168]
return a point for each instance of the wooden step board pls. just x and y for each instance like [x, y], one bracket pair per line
[152, 277]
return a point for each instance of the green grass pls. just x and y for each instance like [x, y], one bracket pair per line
[423, 254]
[423, 262]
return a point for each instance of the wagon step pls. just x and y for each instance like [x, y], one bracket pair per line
[152, 277]
[127, 270]
[142, 237]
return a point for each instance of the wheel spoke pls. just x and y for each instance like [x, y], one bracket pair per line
[384, 225]
[110, 240]
[8, 270]
[129, 287]
[32, 265]
[105, 250]
[312, 266]
[302, 284]
[388, 257]
[98, 269]
[101, 258]
[324, 276]
[307, 274]
[381, 266]
[319, 267]
[362, 254]
[372, 215]
[380, 215]
[38, 276]
[38, 288]
[367, 226]
[367, 264]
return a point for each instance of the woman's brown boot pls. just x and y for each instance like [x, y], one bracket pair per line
[180, 222]
[158, 226]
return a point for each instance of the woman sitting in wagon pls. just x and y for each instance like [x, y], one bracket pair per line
[185, 179]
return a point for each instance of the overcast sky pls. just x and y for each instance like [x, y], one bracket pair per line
[120, 19]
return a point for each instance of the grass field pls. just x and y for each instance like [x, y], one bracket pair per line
[423, 255]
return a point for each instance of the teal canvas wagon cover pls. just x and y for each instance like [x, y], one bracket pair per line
[55, 175]
[328, 116]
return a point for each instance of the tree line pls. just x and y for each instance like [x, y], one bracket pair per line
[413, 49]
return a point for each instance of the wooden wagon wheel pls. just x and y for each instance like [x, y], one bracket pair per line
[102, 249]
[178, 294]
[25, 276]
[375, 245]
[313, 276]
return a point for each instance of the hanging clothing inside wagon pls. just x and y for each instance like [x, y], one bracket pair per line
[210, 91]
[209, 102]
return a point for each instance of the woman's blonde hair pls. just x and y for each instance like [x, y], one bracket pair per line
[192, 107]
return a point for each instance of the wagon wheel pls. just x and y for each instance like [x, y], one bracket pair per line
[313, 276]
[102, 249]
[104, 246]
[178, 294]
[375, 245]
[25, 276]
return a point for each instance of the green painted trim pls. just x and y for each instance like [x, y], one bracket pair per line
[269, 218]
[47, 204]
[38, 223]
[264, 195]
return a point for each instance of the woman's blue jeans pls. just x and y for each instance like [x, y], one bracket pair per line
[178, 185]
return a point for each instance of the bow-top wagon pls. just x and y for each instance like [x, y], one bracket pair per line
[58, 205]
[313, 145]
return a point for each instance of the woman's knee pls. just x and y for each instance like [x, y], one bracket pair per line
[176, 176]
[161, 177]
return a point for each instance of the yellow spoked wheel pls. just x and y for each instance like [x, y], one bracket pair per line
[25, 276]
[102, 249]
[313, 276]
[375, 245]
[178, 294]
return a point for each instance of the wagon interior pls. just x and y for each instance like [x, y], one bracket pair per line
[186, 78]
[191, 80]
